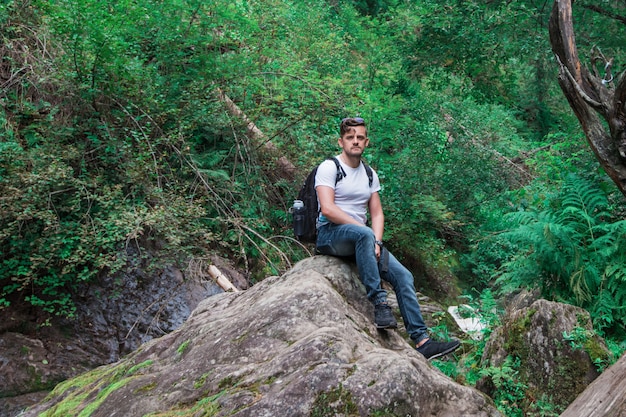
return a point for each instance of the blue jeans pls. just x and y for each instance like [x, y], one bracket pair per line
[359, 241]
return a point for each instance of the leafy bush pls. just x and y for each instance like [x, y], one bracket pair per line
[109, 139]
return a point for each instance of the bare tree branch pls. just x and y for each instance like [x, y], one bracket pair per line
[589, 96]
[287, 169]
[595, 104]
[605, 12]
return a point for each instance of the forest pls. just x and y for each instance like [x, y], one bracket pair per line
[159, 132]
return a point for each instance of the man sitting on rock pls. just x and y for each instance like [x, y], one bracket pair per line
[342, 230]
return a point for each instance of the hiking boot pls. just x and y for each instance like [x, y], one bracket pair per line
[383, 317]
[432, 350]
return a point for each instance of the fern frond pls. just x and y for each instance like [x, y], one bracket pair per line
[611, 240]
[584, 282]
[615, 275]
[602, 312]
[521, 217]
[518, 272]
[584, 195]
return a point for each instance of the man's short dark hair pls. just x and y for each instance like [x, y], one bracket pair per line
[348, 123]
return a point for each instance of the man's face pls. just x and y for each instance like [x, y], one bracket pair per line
[354, 141]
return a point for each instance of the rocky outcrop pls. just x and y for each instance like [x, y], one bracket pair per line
[301, 344]
[554, 345]
[114, 317]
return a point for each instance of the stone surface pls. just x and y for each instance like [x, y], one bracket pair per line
[300, 344]
[34, 358]
[533, 332]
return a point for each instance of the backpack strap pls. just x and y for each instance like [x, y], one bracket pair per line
[383, 262]
[341, 173]
[370, 175]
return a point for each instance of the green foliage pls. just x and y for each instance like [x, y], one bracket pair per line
[116, 151]
[120, 148]
[586, 340]
[114, 143]
[571, 250]
[510, 391]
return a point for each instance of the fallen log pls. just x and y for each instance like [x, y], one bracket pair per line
[604, 397]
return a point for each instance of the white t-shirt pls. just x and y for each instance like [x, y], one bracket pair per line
[352, 193]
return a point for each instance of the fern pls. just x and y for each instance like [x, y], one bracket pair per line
[571, 252]
[584, 206]
[612, 239]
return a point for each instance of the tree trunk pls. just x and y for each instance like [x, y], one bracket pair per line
[592, 97]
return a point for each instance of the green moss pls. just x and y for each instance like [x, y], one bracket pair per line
[142, 365]
[227, 382]
[79, 382]
[337, 401]
[528, 317]
[199, 383]
[514, 334]
[596, 350]
[146, 388]
[85, 393]
[205, 407]
[587, 340]
[102, 395]
[270, 380]
[183, 347]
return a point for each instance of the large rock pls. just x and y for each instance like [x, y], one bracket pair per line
[137, 308]
[554, 345]
[302, 344]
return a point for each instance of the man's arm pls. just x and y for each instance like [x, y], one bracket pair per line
[326, 197]
[378, 218]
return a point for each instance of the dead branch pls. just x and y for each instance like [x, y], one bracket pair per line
[221, 279]
[287, 169]
[564, 70]
[589, 96]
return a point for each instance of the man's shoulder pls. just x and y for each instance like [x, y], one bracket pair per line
[330, 163]
[328, 173]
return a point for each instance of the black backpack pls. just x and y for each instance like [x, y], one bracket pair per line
[308, 196]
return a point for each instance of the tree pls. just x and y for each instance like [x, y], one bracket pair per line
[592, 95]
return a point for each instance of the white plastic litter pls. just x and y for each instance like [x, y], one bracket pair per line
[471, 325]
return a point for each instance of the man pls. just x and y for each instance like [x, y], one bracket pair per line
[342, 230]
